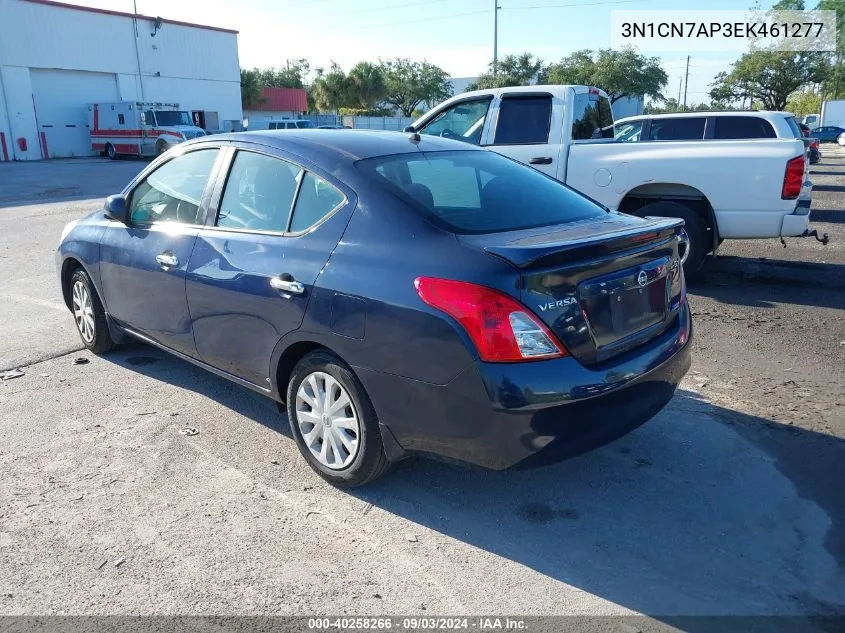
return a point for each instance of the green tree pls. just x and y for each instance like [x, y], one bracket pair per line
[410, 83]
[331, 89]
[804, 102]
[251, 94]
[622, 73]
[769, 77]
[511, 70]
[834, 80]
[366, 85]
[293, 74]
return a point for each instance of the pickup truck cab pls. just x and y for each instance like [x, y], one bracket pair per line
[730, 189]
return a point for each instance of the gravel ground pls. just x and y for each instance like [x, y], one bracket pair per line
[728, 502]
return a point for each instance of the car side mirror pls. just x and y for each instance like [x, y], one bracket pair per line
[411, 129]
[116, 208]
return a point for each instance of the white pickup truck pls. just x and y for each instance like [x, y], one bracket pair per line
[722, 189]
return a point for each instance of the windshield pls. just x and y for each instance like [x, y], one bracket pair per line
[629, 131]
[479, 192]
[796, 129]
[173, 117]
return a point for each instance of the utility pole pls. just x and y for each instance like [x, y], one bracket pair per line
[680, 85]
[686, 85]
[496, 9]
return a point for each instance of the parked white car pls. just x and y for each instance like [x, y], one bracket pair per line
[728, 189]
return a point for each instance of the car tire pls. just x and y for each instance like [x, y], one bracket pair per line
[88, 313]
[110, 152]
[696, 232]
[161, 148]
[324, 437]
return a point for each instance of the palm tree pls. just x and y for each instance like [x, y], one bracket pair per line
[368, 85]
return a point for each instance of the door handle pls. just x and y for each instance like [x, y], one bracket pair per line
[286, 283]
[541, 160]
[167, 260]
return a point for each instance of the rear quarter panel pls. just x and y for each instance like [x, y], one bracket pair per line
[741, 179]
[365, 306]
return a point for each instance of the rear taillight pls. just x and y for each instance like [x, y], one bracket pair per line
[793, 178]
[502, 329]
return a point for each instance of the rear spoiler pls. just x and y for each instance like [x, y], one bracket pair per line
[572, 244]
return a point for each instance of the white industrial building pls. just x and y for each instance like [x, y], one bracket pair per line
[56, 58]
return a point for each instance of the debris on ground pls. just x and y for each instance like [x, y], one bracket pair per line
[80, 360]
[119, 562]
[11, 373]
[147, 413]
[367, 509]
[102, 564]
[189, 431]
[411, 538]
[275, 462]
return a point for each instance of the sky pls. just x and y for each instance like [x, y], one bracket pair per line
[457, 35]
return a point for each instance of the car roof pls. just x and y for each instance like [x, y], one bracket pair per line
[343, 145]
[700, 113]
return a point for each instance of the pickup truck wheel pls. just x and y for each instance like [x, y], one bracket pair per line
[696, 231]
[110, 152]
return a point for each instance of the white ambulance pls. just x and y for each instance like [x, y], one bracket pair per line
[138, 129]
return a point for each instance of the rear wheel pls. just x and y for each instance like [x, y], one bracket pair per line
[88, 313]
[333, 422]
[696, 248]
[110, 151]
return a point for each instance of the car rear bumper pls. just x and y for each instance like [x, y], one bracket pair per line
[500, 415]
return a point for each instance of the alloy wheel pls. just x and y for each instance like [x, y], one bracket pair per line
[327, 420]
[83, 312]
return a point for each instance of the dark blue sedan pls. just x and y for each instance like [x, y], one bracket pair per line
[399, 294]
[827, 133]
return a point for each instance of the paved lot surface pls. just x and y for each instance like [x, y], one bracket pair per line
[728, 502]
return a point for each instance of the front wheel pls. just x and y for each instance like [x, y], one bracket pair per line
[333, 422]
[88, 313]
[161, 147]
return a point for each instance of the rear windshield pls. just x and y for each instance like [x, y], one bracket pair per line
[479, 192]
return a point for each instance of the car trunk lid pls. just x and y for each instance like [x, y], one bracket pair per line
[603, 286]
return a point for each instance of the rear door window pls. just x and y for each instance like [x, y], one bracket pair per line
[742, 127]
[259, 193]
[677, 129]
[315, 201]
[592, 117]
[524, 120]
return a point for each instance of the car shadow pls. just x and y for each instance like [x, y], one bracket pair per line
[831, 216]
[833, 188]
[702, 511]
[729, 289]
[760, 281]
